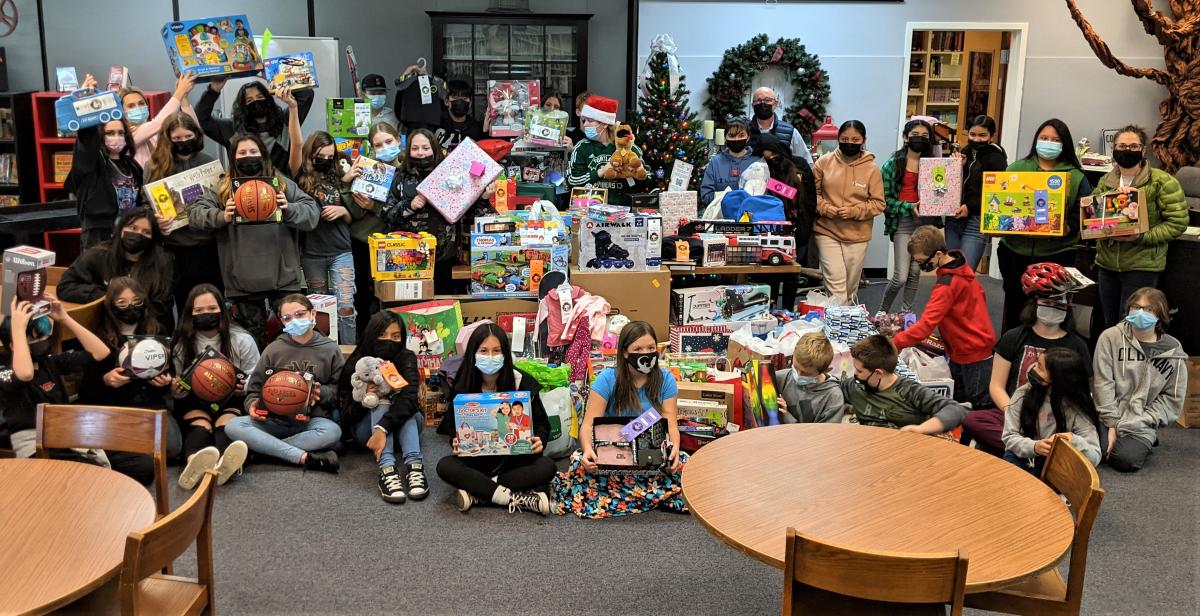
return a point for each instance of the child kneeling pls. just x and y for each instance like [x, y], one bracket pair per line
[880, 398]
[806, 393]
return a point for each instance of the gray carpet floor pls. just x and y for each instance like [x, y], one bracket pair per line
[289, 542]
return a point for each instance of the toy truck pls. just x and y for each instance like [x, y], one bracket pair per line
[755, 249]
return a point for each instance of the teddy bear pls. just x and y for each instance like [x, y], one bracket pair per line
[624, 162]
[366, 373]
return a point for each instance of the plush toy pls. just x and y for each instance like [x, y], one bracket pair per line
[624, 161]
[366, 373]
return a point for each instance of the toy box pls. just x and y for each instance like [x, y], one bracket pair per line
[508, 102]
[85, 108]
[348, 118]
[455, 185]
[603, 212]
[68, 80]
[583, 197]
[404, 290]
[174, 195]
[645, 454]
[710, 403]
[493, 424]
[1024, 203]
[1113, 214]
[500, 268]
[118, 78]
[325, 315]
[276, 216]
[25, 277]
[376, 178]
[402, 256]
[677, 208]
[210, 48]
[62, 166]
[712, 250]
[545, 126]
[939, 185]
[631, 243]
[296, 71]
[740, 302]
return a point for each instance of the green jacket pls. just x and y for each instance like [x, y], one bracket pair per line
[1166, 206]
[1039, 246]
[584, 166]
[894, 210]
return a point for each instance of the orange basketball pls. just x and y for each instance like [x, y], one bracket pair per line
[214, 379]
[285, 393]
[255, 200]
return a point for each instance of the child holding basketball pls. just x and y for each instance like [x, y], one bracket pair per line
[300, 348]
[636, 384]
[204, 324]
[327, 261]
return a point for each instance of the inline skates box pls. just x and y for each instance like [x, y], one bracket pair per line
[631, 243]
[722, 303]
[212, 47]
[500, 267]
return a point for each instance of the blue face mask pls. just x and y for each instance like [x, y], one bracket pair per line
[388, 154]
[377, 100]
[298, 327]
[1048, 150]
[802, 380]
[1141, 319]
[591, 132]
[137, 115]
[489, 364]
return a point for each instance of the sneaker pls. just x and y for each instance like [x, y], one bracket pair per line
[196, 465]
[391, 487]
[324, 461]
[529, 501]
[414, 478]
[231, 461]
[466, 501]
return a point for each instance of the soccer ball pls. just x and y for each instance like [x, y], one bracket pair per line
[144, 358]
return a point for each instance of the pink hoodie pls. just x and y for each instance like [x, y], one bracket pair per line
[146, 135]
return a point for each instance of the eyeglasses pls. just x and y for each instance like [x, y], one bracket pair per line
[767, 101]
[137, 303]
[288, 318]
[1128, 147]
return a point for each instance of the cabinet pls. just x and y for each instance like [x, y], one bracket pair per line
[18, 173]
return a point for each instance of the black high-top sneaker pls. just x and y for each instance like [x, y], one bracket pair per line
[391, 486]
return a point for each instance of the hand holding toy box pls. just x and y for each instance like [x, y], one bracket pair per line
[375, 180]
[1024, 203]
[297, 71]
[174, 195]
[213, 48]
[25, 278]
[493, 424]
[348, 118]
[1113, 214]
[87, 108]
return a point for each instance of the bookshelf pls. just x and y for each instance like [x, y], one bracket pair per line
[953, 75]
[18, 175]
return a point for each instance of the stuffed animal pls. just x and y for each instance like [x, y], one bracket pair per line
[624, 161]
[366, 373]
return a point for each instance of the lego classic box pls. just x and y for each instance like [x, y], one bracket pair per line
[631, 243]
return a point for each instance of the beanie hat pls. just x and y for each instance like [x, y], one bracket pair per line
[601, 109]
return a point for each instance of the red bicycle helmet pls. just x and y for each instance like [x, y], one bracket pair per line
[1046, 280]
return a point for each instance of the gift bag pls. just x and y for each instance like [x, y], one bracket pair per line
[432, 327]
[560, 411]
[455, 185]
[760, 404]
[927, 367]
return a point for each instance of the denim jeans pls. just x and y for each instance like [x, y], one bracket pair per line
[963, 234]
[1115, 289]
[905, 272]
[1035, 469]
[971, 383]
[335, 276]
[286, 441]
[409, 437]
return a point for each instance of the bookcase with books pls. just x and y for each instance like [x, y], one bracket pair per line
[18, 175]
[944, 73]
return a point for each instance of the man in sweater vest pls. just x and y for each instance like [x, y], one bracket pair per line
[766, 121]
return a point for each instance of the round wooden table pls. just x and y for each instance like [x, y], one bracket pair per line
[877, 489]
[62, 530]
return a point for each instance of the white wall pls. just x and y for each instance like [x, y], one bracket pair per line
[861, 45]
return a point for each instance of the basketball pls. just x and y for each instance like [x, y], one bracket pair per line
[255, 200]
[214, 379]
[285, 393]
[144, 358]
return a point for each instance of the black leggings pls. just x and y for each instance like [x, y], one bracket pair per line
[364, 294]
[517, 473]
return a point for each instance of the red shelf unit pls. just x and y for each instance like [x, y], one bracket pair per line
[48, 142]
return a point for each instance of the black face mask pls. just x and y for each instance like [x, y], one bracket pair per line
[388, 349]
[249, 166]
[1036, 379]
[423, 164]
[184, 148]
[642, 362]
[129, 315]
[134, 243]
[736, 146]
[762, 111]
[930, 264]
[1128, 158]
[866, 384]
[40, 348]
[259, 108]
[322, 165]
[459, 107]
[918, 144]
[850, 149]
[206, 322]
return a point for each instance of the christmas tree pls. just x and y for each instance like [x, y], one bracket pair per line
[666, 129]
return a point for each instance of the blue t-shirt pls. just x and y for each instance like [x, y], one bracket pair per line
[606, 384]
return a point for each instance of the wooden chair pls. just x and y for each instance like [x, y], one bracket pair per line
[822, 578]
[54, 274]
[144, 431]
[1072, 475]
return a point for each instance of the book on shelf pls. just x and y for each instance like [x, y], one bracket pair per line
[7, 128]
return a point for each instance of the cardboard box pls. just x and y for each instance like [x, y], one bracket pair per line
[501, 269]
[492, 309]
[1113, 214]
[1189, 417]
[719, 303]
[641, 296]
[348, 118]
[677, 208]
[325, 309]
[632, 243]
[1024, 203]
[213, 47]
[402, 256]
[718, 399]
[62, 166]
[404, 290]
[25, 277]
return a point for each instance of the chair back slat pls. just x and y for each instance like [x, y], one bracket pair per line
[1069, 473]
[132, 430]
[150, 550]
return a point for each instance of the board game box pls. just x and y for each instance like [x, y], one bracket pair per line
[1113, 214]
[216, 47]
[376, 179]
[174, 195]
[493, 424]
[1024, 203]
[296, 71]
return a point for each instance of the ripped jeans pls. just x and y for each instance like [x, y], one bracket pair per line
[320, 272]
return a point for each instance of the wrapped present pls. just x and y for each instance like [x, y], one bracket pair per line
[402, 256]
[508, 102]
[1024, 203]
[455, 185]
[891, 323]
[215, 47]
[939, 185]
[677, 208]
[432, 327]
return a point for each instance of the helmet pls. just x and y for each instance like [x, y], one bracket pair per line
[1049, 280]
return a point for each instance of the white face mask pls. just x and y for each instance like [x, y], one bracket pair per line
[1051, 315]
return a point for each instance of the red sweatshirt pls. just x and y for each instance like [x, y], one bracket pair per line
[958, 307]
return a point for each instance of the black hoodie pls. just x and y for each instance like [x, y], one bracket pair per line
[989, 157]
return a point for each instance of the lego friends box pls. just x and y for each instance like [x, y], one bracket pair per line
[493, 424]
[217, 47]
[1024, 203]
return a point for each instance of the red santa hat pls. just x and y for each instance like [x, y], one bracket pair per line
[600, 109]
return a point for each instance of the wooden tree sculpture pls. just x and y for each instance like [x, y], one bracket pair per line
[1176, 143]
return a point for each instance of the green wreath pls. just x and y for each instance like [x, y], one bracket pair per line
[728, 85]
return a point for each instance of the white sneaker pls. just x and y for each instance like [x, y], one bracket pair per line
[466, 501]
[529, 501]
[231, 461]
[196, 465]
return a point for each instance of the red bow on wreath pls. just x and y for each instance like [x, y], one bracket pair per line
[777, 56]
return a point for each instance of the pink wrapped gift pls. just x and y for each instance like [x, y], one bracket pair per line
[452, 188]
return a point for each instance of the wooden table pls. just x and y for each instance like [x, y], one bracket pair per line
[878, 489]
[62, 530]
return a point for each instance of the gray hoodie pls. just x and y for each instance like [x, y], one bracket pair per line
[1138, 386]
[319, 356]
[1083, 431]
[817, 403]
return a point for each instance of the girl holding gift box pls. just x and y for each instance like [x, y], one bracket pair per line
[636, 384]
[366, 216]
[256, 113]
[146, 130]
[900, 216]
[979, 157]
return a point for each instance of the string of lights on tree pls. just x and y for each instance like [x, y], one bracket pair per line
[666, 129]
[729, 85]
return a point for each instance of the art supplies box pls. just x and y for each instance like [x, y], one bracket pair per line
[210, 48]
[493, 424]
[1113, 214]
[402, 256]
[1024, 203]
[174, 195]
[25, 277]
[631, 243]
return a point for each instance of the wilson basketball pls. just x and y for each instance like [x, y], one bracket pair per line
[285, 393]
[255, 200]
[214, 379]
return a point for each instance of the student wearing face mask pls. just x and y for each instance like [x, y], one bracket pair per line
[1132, 262]
[326, 258]
[517, 482]
[900, 216]
[881, 398]
[137, 113]
[726, 168]
[979, 157]
[30, 374]
[589, 164]
[806, 392]
[255, 112]
[105, 177]
[458, 123]
[636, 384]
[366, 217]
[300, 348]
[1141, 380]
[374, 88]
[1056, 399]
[136, 250]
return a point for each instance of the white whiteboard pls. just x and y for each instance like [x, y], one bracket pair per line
[327, 55]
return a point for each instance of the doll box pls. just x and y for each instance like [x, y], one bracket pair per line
[402, 256]
[1113, 214]
[1024, 203]
[86, 108]
[501, 268]
[375, 182]
[348, 118]
[939, 185]
[25, 277]
[213, 47]
[452, 188]
[508, 103]
[325, 315]
[631, 243]
[174, 195]
[297, 71]
[493, 424]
